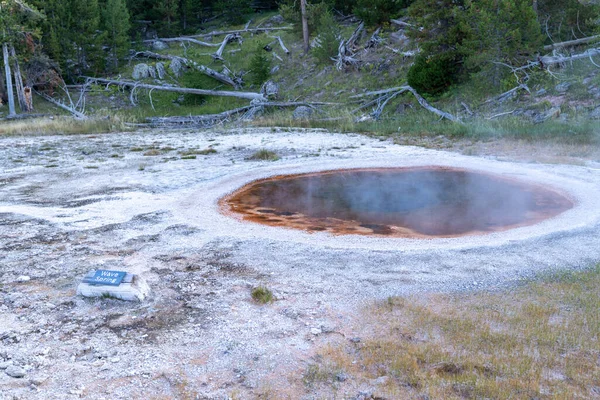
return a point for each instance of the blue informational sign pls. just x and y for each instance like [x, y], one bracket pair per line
[104, 277]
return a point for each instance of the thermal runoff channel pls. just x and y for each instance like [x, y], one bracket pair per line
[399, 202]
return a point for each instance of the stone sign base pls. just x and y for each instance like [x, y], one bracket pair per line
[131, 288]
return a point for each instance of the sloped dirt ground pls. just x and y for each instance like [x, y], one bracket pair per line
[140, 202]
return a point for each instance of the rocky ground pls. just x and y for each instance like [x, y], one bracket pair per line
[146, 202]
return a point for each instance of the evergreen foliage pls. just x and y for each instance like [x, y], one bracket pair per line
[116, 24]
[234, 11]
[434, 73]
[375, 12]
[260, 66]
[328, 39]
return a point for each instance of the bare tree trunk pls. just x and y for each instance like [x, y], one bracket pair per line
[304, 26]
[9, 88]
[20, 88]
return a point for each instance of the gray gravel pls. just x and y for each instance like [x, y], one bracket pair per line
[69, 204]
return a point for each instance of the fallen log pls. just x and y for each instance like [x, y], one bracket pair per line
[547, 61]
[212, 119]
[183, 39]
[198, 67]
[175, 89]
[239, 31]
[401, 24]
[570, 43]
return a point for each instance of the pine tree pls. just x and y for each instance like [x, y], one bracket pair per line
[84, 25]
[116, 25]
[168, 13]
[504, 31]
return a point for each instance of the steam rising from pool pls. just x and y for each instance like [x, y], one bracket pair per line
[400, 202]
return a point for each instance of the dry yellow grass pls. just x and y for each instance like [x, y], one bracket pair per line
[61, 125]
[539, 341]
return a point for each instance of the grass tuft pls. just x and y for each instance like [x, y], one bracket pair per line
[262, 295]
[264, 155]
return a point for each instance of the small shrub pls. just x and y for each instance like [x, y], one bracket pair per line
[264, 155]
[234, 11]
[328, 39]
[262, 295]
[433, 74]
[375, 12]
[260, 66]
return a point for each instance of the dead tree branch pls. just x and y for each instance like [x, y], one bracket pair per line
[212, 119]
[389, 94]
[232, 37]
[62, 105]
[285, 49]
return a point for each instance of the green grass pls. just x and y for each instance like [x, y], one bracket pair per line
[264, 155]
[541, 340]
[421, 123]
[262, 295]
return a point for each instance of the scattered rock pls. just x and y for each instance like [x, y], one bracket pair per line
[23, 278]
[176, 67]
[342, 377]
[595, 113]
[152, 72]
[159, 45]
[276, 20]
[562, 87]
[541, 92]
[382, 380]
[5, 364]
[141, 71]
[594, 91]
[364, 395]
[355, 340]
[302, 112]
[554, 112]
[14, 371]
[315, 331]
[270, 90]
[160, 70]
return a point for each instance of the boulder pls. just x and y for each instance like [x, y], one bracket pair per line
[562, 87]
[276, 20]
[160, 70]
[302, 112]
[15, 371]
[176, 67]
[159, 45]
[141, 71]
[595, 113]
[270, 90]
